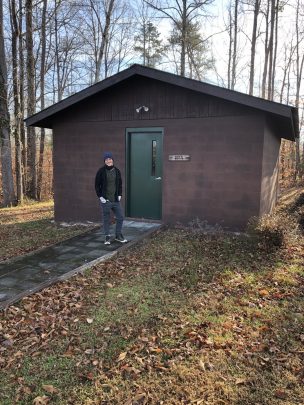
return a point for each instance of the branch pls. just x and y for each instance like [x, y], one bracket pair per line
[163, 11]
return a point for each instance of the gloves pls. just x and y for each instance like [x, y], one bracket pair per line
[103, 200]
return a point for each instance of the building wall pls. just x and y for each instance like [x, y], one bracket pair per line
[270, 169]
[220, 184]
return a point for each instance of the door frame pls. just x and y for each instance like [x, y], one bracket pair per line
[128, 135]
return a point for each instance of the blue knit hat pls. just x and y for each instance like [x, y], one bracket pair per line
[107, 155]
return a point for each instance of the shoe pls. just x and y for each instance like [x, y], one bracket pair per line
[120, 238]
[107, 240]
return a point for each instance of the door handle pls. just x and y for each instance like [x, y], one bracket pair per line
[158, 178]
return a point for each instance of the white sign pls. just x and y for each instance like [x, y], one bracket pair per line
[179, 157]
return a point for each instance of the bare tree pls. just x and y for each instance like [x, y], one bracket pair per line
[65, 47]
[270, 49]
[22, 95]
[107, 36]
[233, 28]
[16, 94]
[98, 15]
[120, 43]
[62, 48]
[105, 28]
[257, 4]
[266, 49]
[289, 51]
[31, 99]
[299, 72]
[229, 29]
[5, 144]
[42, 98]
[235, 37]
[275, 51]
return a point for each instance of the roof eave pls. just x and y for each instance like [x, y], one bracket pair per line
[37, 119]
[45, 117]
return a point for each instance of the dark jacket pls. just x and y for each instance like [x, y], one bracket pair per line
[101, 183]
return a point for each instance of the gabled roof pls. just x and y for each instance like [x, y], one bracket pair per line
[287, 113]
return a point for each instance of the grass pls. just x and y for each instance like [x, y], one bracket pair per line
[184, 318]
[29, 227]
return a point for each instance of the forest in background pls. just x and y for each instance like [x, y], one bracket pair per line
[50, 49]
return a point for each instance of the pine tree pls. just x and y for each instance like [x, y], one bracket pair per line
[149, 45]
[197, 60]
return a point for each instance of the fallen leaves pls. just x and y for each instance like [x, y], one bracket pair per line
[219, 336]
[39, 319]
[41, 400]
[50, 389]
[122, 356]
[264, 293]
[140, 398]
[241, 381]
[281, 394]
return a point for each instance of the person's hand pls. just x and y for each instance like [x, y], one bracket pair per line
[103, 200]
[119, 197]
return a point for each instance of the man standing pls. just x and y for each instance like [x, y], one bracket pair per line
[108, 186]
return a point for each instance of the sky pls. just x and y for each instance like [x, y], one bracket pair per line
[214, 27]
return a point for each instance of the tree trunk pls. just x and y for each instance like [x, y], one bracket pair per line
[253, 44]
[266, 52]
[5, 144]
[299, 72]
[230, 48]
[59, 87]
[30, 72]
[183, 39]
[270, 49]
[21, 95]
[105, 38]
[286, 70]
[42, 101]
[144, 43]
[235, 34]
[275, 48]
[17, 112]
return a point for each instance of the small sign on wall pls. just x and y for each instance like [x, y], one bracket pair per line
[180, 158]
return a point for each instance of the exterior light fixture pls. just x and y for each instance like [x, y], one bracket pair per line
[143, 107]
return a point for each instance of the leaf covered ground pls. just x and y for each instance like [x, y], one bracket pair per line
[184, 318]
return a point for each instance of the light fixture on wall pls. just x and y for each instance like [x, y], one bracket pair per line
[143, 107]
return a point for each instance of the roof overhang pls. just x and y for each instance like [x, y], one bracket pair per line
[289, 114]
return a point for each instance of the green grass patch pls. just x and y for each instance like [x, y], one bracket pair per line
[35, 373]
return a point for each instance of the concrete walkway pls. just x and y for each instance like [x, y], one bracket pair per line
[27, 274]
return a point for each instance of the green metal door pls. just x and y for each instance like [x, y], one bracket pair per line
[145, 174]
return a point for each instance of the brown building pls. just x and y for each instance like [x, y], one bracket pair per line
[186, 149]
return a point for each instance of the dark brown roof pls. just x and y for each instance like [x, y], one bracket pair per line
[288, 115]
